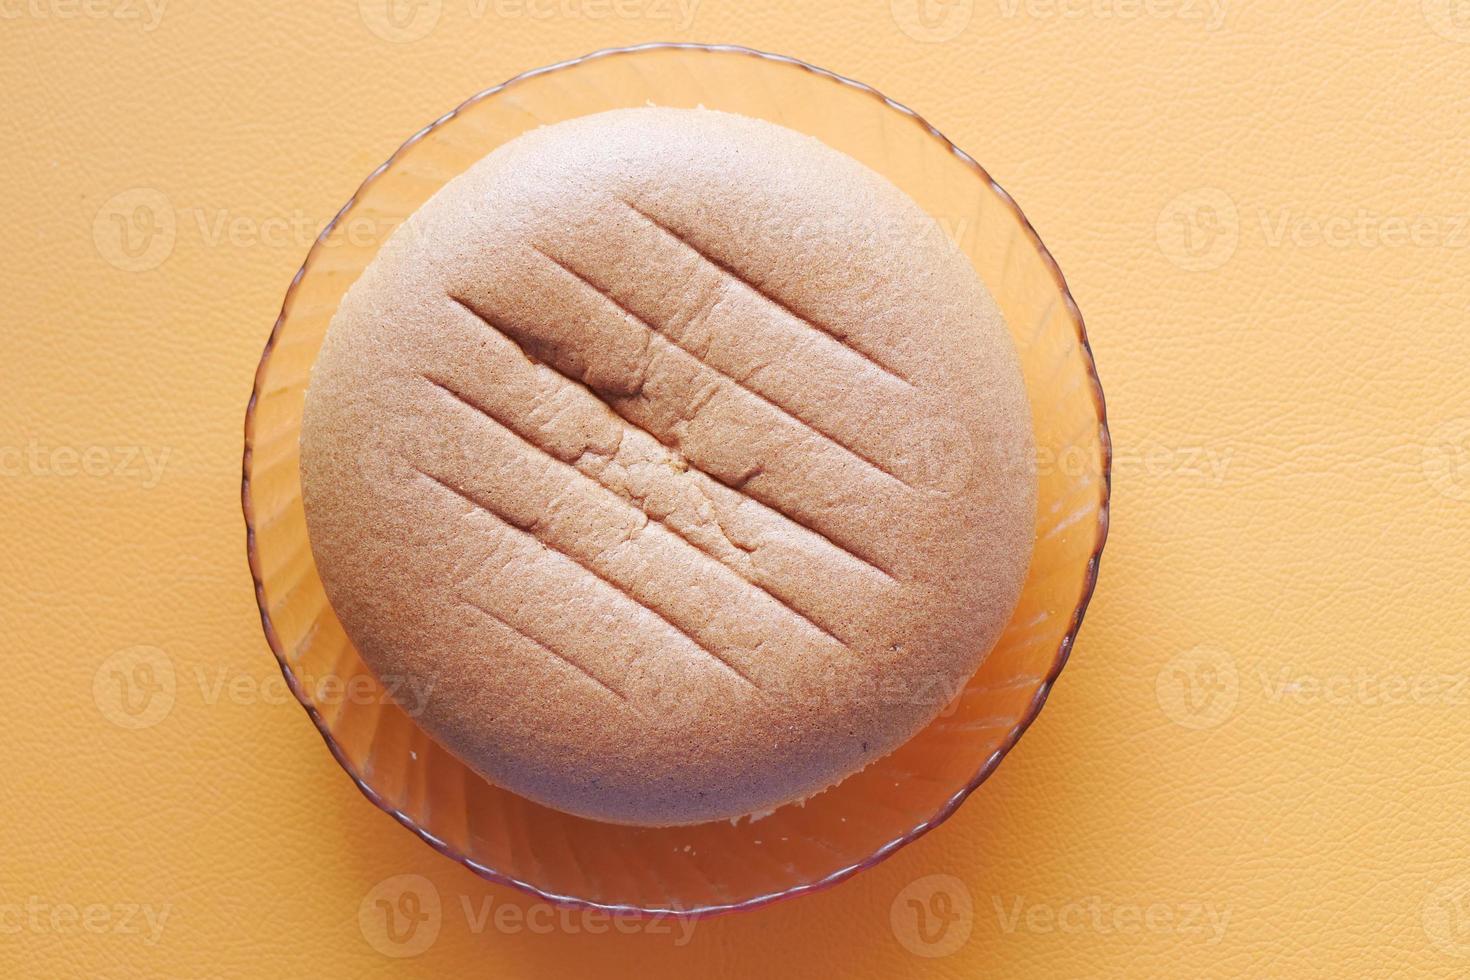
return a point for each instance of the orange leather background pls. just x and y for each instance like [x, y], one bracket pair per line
[1257, 761]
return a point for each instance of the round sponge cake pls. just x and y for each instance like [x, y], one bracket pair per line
[681, 459]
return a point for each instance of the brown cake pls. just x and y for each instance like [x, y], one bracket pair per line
[680, 458]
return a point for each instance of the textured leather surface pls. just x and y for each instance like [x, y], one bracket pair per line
[1256, 761]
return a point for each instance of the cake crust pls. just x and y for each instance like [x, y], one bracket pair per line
[681, 458]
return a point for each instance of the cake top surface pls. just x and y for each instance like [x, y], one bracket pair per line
[679, 456]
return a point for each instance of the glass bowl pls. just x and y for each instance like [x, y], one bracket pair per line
[727, 865]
